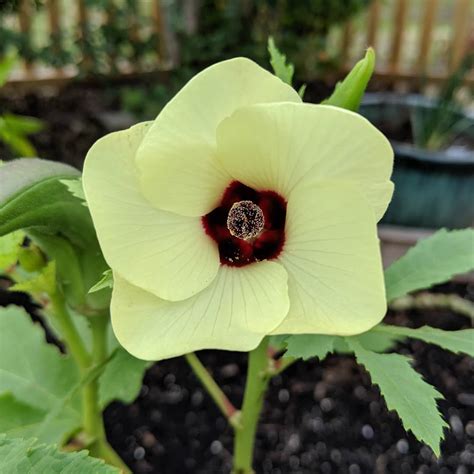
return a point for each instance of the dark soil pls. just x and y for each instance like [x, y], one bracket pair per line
[318, 417]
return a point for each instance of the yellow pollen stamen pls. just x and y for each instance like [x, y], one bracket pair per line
[245, 220]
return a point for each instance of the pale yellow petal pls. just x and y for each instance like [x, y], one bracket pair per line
[178, 168]
[278, 146]
[234, 313]
[166, 254]
[333, 261]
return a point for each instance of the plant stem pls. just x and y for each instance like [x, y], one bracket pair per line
[92, 411]
[257, 382]
[92, 414]
[69, 333]
[219, 397]
[92, 421]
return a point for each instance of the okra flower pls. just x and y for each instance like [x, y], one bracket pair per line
[240, 212]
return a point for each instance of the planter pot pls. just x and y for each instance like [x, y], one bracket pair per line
[432, 189]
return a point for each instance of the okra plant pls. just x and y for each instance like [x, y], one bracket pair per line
[240, 219]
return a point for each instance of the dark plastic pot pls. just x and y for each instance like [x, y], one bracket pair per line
[432, 189]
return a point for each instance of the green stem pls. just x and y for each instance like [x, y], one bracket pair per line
[92, 421]
[256, 386]
[69, 333]
[92, 412]
[219, 397]
[283, 364]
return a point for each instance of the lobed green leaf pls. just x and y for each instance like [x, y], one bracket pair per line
[461, 341]
[281, 67]
[18, 418]
[406, 392]
[27, 456]
[75, 188]
[35, 373]
[122, 378]
[433, 260]
[306, 346]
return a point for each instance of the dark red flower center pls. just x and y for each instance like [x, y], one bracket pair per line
[248, 226]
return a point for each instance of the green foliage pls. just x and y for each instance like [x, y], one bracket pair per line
[18, 418]
[6, 66]
[306, 346]
[14, 129]
[39, 386]
[281, 67]
[33, 198]
[31, 258]
[406, 392]
[9, 248]
[436, 128]
[36, 376]
[107, 281]
[348, 93]
[461, 341]
[74, 186]
[43, 282]
[433, 260]
[122, 378]
[27, 456]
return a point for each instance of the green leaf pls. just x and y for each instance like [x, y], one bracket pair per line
[9, 248]
[406, 392]
[75, 188]
[433, 260]
[31, 195]
[302, 90]
[27, 456]
[36, 373]
[461, 341]
[122, 378]
[348, 93]
[17, 142]
[18, 418]
[282, 69]
[42, 282]
[107, 281]
[33, 198]
[22, 125]
[376, 341]
[306, 346]
[6, 65]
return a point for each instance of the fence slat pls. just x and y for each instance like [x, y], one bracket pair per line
[158, 22]
[24, 21]
[460, 33]
[374, 16]
[399, 27]
[83, 19]
[431, 9]
[54, 24]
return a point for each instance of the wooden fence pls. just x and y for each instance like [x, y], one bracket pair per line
[414, 39]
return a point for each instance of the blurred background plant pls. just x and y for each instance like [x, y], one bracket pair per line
[15, 129]
[438, 127]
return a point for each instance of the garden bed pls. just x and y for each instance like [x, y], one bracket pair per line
[319, 417]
